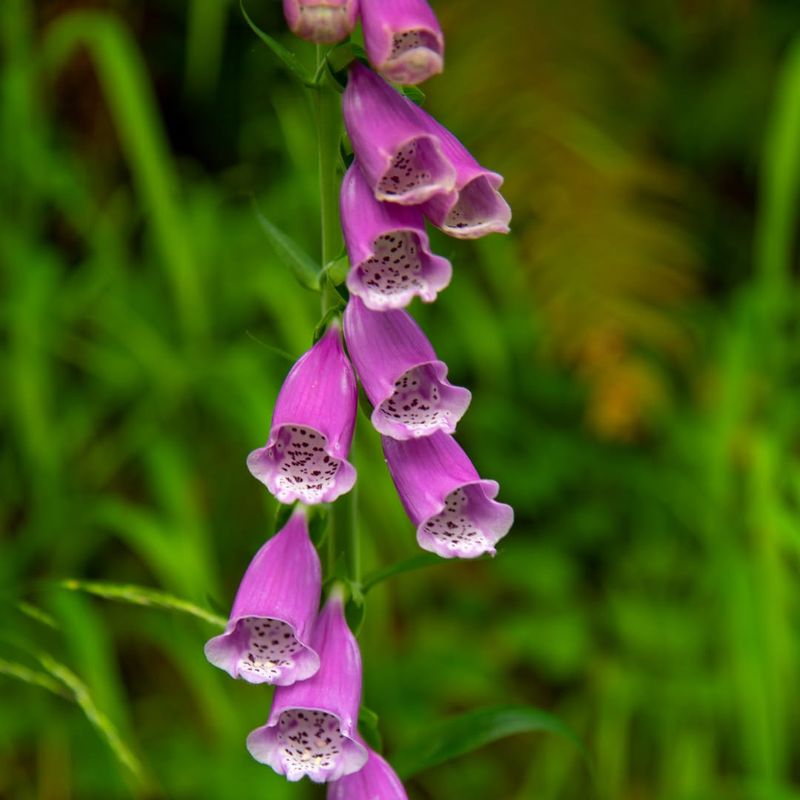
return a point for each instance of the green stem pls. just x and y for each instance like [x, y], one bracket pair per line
[327, 108]
[343, 534]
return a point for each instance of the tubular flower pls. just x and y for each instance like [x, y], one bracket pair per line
[321, 21]
[476, 206]
[273, 614]
[454, 510]
[305, 457]
[403, 39]
[376, 780]
[402, 160]
[403, 379]
[311, 728]
[388, 248]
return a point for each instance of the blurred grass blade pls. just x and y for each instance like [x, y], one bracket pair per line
[406, 565]
[33, 677]
[461, 735]
[36, 613]
[301, 264]
[79, 692]
[143, 596]
[289, 59]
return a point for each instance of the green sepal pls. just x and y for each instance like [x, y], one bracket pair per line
[318, 519]
[327, 317]
[414, 94]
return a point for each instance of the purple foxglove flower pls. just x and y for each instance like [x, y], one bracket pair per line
[454, 510]
[403, 379]
[388, 249]
[311, 728]
[271, 622]
[305, 457]
[376, 780]
[401, 159]
[476, 207]
[322, 21]
[403, 39]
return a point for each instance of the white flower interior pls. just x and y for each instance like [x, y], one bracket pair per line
[417, 402]
[305, 470]
[456, 528]
[270, 649]
[309, 742]
[395, 269]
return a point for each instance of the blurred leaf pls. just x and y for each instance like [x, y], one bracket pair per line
[291, 254]
[289, 59]
[461, 735]
[143, 596]
[102, 724]
[36, 613]
[19, 671]
[419, 561]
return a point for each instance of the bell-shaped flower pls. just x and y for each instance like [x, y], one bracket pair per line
[405, 382]
[272, 619]
[403, 39]
[476, 206]
[401, 158]
[321, 21]
[454, 510]
[305, 457]
[311, 728]
[376, 780]
[388, 248]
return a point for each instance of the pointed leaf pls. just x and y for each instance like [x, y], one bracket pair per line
[463, 734]
[13, 669]
[419, 561]
[301, 264]
[289, 59]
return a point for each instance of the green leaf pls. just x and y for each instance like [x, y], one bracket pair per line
[341, 56]
[336, 270]
[419, 561]
[463, 734]
[79, 692]
[322, 325]
[414, 94]
[289, 59]
[301, 264]
[143, 596]
[368, 728]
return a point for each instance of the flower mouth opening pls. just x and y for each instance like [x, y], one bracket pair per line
[269, 648]
[421, 404]
[305, 470]
[480, 209]
[309, 743]
[393, 274]
[415, 55]
[465, 527]
[417, 172]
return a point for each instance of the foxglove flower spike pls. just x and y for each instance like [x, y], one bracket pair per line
[305, 457]
[403, 39]
[270, 626]
[388, 248]
[376, 780]
[405, 382]
[321, 21]
[453, 508]
[311, 728]
[401, 159]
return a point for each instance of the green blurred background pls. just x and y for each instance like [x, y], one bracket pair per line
[632, 349]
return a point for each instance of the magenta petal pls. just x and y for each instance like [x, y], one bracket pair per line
[376, 780]
[454, 510]
[311, 728]
[476, 207]
[322, 21]
[388, 248]
[266, 638]
[405, 382]
[403, 39]
[401, 159]
[305, 457]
